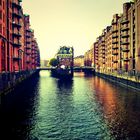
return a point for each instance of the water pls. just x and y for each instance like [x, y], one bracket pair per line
[86, 108]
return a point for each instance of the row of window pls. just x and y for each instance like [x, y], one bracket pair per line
[2, 30]
[2, 16]
[2, 3]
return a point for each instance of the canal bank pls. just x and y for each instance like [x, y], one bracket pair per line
[10, 80]
[123, 80]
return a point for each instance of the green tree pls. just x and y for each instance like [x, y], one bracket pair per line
[54, 62]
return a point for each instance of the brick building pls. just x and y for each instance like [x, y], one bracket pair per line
[3, 36]
[117, 49]
[18, 47]
[79, 61]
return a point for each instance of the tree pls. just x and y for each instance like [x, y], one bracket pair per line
[53, 62]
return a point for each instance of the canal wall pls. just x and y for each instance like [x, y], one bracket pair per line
[124, 81]
[9, 80]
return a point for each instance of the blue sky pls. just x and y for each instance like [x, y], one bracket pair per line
[74, 23]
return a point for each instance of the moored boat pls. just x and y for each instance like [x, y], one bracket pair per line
[62, 73]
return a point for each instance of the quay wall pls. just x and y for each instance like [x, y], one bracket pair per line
[9, 80]
[130, 82]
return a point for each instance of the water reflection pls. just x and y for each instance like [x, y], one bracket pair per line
[120, 108]
[64, 86]
[86, 107]
[18, 111]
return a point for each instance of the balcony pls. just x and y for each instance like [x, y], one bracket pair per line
[114, 52]
[125, 59]
[16, 34]
[14, 4]
[18, 25]
[125, 49]
[114, 41]
[103, 48]
[125, 43]
[134, 30]
[27, 61]
[124, 21]
[114, 47]
[125, 28]
[124, 35]
[103, 56]
[28, 30]
[28, 53]
[115, 61]
[28, 36]
[28, 47]
[103, 62]
[16, 57]
[103, 44]
[17, 44]
[28, 42]
[114, 36]
[103, 52]
[15, 14]
[114, 30]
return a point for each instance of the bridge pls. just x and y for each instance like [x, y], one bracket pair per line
[75, 69]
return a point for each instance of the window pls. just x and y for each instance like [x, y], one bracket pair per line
[10, 15]
[11, 37]
[0, 14]
[3, 17]
[4, 31]
[0, 28]
[3, 56]
[3, 4]
[10, 26]
[10, 4]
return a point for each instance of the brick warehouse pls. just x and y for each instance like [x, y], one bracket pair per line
[19, 52]
[117, 49]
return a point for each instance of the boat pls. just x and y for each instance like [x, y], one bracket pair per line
[62, 73]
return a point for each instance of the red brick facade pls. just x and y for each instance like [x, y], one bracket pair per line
[17, 43]
[3, 36]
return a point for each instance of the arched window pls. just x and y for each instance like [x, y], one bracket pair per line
[3, 56]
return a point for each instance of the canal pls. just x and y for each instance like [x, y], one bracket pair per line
[85, 108]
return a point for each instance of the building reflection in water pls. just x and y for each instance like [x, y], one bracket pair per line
[18, 110]
[86, 107]
[117, 108]
[64, 86]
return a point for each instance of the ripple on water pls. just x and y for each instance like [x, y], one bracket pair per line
[86, 108]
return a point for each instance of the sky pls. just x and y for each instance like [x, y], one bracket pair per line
[74, 23]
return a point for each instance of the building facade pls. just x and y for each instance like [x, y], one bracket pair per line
[79, 61]
[17, 35]
[3, 36]
[88, 58]
[117, 49]
[18, 47]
